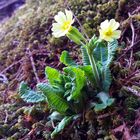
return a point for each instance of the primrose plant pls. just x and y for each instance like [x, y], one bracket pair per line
[67, 92]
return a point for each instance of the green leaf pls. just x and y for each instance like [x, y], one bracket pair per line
[106, 73]
[104, 56]
[85, 57]
[100, 53]
[66, 59]
[29, 95]
[66, 121]
[79, 83]
[33, 97]
[110, 101]
[52, 75]
[103, 97]
[107, 79]
[100, 107]
[23, 87]
[88, 72]
[92, 43]
[112, 47]
[54, 99]
[106, 101]
[55, 116]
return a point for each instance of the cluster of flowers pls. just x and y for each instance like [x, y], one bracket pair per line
[108, 29]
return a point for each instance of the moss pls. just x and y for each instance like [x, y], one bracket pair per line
[131, 102]
[124, 72]
[137, 55]
[88, 29]
[136, 87]
[131, 115]
[121, 5]
[55, 41]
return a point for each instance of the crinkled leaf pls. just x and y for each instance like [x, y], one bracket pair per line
[85, 57]
[104, 57]
[93, 42]
[66, 121]
[52, 75]
[29, 95]
[107, 78]
[88, 72]
[33, 97]
[106, 73]
[80, 79]
[23, 87]
[105, 54]
[54, 99]
[66, 59]
[112, 47]
[100, 53]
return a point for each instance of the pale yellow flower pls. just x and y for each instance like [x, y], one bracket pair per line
[63, 25]
[109, 30]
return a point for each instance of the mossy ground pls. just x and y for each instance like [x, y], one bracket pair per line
[30, 28]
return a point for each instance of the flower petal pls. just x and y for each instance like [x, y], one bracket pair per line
[59, 33]
[101, 34]
[108, 38]
[104, 24]
[116, 34]
[56, 26]
[113, 24]
[69, 15]
[60, 17]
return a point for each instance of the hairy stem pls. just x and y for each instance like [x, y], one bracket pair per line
[94, 67]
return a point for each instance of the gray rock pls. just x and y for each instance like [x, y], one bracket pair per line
[7, 7]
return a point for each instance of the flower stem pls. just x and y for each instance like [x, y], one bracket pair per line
[94, 67]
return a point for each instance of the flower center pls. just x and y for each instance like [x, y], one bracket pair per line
[66, 25]
[109, 33]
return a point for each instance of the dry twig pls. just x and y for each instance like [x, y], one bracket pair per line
[6, 117]
[10, 66]
[132, 41]
[33, 65]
